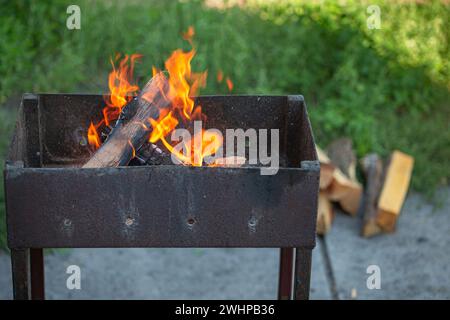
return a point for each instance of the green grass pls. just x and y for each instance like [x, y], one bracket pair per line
[386, 89]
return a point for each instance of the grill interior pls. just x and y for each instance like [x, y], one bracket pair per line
[56, 125]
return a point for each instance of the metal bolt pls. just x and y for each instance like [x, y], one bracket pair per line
[129, 221]
[252, 222]
[191, 222]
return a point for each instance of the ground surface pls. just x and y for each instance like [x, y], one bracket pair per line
[414, 264]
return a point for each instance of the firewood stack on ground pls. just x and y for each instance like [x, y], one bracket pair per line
[379, 202]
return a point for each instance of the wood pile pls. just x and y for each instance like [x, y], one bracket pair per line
[379, 202]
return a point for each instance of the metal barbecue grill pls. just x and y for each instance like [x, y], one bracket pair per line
[52, 203]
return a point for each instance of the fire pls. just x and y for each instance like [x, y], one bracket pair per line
[179, 68]
[183, 84]
[121, 87]
[202, 145]
[162, 127]
[178, 88]
[93, 137]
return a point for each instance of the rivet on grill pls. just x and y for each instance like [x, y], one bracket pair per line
[129, 221]
[252, 222]
[191, 222]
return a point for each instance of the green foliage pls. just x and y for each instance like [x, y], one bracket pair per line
[387, 89]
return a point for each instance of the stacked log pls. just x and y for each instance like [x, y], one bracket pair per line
[385, 188]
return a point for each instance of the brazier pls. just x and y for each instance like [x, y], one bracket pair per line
[51, 202]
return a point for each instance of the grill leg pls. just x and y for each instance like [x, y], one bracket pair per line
[285, 273]
[20, 263]
[37, 274]
[302, 273]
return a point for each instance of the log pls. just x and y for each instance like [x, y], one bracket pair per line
[346, 192]
[325, 214]
[344, 188]
[326, 169]
[372, 166]
[326, 175]
[132, 129]
[394, 190]
[341, 154]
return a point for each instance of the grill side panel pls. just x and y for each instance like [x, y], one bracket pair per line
[162, 206]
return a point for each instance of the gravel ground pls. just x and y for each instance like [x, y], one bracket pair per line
[414, 261]
[414, 264]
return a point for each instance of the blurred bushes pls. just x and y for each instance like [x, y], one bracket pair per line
[385, 88]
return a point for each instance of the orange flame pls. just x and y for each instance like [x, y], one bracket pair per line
[189, 34]
[196, 149]
[162, 127]
[182, 85]
[121, 91]
[120, 86]
[93, 137]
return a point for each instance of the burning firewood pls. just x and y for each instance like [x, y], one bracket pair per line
[151, 116]
[373, 169]
[132, 129]
[393, 193]
[150, 154]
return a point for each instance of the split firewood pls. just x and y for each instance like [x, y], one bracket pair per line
[325, 214]
[372, 166]
[338, 186]
[132, 129]
[341, 154]
[326, 169]
[344, 187]
[346, 192]
[395, 186]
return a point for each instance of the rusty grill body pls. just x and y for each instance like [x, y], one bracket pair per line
[52, 202]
